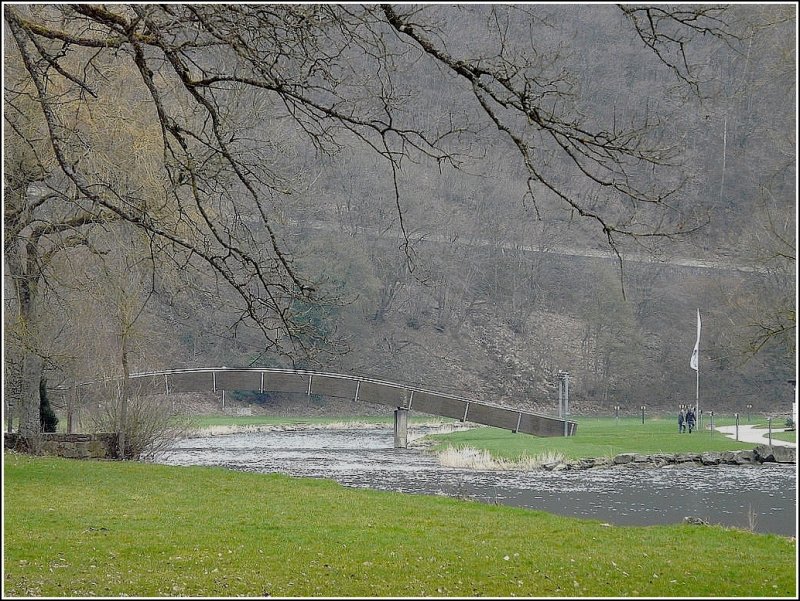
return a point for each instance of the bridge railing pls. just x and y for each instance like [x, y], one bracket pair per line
[357, 388]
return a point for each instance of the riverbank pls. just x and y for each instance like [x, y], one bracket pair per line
[433, 436]
[601, 443]
[623, 495]
[595, 438]
[480, 459]
[92, 528]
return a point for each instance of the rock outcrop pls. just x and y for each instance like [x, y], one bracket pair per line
[765, 453]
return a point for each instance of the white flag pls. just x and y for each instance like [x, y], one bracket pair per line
[693, 362]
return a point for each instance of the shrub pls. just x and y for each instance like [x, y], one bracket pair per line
[151, 425]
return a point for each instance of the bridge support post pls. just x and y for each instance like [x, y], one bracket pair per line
[401, 428]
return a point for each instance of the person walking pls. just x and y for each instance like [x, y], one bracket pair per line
[681, 421]
[690, 419]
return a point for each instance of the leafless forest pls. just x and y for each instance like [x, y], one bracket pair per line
[465, 197]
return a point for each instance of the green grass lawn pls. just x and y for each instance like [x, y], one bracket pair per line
[787, 436]
[91, 528]
[595, 437]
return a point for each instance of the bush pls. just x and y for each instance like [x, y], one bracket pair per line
[151, 425]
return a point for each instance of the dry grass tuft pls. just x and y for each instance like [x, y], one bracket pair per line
[481, 459]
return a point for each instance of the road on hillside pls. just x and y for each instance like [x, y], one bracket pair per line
[607, 254]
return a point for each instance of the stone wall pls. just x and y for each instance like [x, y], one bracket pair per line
[77, 446]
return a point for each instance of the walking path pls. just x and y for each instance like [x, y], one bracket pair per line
[753, 434]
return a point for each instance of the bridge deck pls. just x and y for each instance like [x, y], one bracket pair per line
[351, 387]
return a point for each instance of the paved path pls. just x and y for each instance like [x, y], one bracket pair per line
[753, 434]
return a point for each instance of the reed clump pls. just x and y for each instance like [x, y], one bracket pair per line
[467, 457]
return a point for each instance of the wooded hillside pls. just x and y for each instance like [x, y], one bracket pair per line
[465, 197]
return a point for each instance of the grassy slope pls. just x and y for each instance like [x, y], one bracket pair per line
[84, 528]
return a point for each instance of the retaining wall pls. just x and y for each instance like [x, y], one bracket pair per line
[77, 446]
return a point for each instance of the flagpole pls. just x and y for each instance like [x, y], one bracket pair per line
[697, 393]
[695, 365]
[697, 379]
[697, 413]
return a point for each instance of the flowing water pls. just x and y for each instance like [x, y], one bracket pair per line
[762, 498]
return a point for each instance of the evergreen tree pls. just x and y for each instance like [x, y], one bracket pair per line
[47, 417]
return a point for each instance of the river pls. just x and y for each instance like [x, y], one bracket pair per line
[761, 497]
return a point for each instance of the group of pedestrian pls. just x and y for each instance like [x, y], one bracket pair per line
[686, 420]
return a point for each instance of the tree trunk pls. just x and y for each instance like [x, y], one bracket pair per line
[25, 277]
[123, 406]
[9, 415]
[32, 367]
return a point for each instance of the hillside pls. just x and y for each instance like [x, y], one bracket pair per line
[432, 194]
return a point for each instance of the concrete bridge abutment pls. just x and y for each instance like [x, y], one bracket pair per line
[401, 428]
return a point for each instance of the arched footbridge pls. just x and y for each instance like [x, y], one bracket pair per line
[403, 397]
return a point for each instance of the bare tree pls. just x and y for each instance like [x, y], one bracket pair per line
[528, 104]
[668, 31]
[764, 318]
[193, 153]
[40, 222]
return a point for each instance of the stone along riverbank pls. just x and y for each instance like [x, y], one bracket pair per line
[759, 455]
